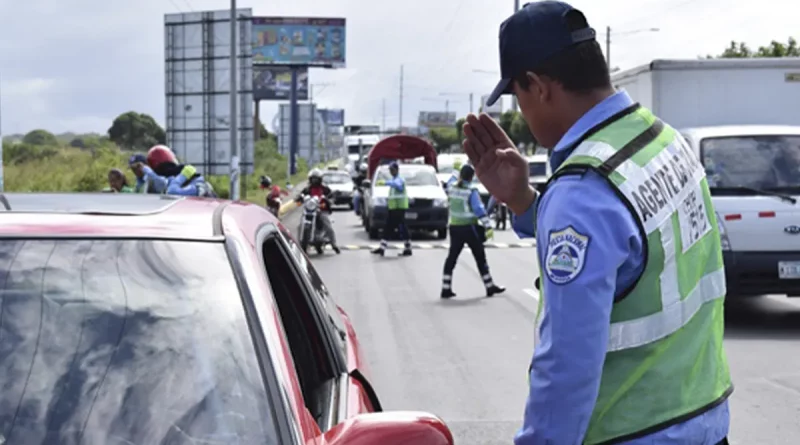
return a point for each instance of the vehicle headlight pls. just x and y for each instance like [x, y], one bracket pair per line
[311, 205]
[440, 203]
[378, 201]
[725, 242]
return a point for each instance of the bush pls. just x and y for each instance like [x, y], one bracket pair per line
[68, 167]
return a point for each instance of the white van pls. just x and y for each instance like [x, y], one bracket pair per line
[754, 175]
[539, 171]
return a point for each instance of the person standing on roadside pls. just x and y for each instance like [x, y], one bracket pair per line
[629, 331]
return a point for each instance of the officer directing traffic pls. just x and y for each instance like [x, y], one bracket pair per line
[469, 225]
[628, 344]
[396, 217]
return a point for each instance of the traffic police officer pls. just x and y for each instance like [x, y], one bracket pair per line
[630, 323]
[468, 225]
[398, 204]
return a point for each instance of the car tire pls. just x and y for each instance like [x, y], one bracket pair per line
[351, 206]
[441, 234]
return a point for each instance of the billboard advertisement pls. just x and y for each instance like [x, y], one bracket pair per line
[299, 41]
[437, 119]
[198, 112]
[275, 83]
[332, 117]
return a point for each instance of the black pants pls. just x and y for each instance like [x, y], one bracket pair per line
[460, 235]
[501, 217]
[396, 220]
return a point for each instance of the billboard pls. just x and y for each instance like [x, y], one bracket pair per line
[275, 83]
[332, 117]
[299, 41]
[495, 110]
[437, 119]
[198, 73]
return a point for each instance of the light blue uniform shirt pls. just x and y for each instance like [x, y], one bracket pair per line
[568, 361]
[171, 186]
[397, 183]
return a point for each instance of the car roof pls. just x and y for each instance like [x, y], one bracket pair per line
[740, 130]
[114, 215]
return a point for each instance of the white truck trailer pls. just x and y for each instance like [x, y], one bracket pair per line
[705, 92]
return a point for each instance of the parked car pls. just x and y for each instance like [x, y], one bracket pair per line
[427, 201]
[154, 319]
[753, 174]
[342, 186]
[539, 171]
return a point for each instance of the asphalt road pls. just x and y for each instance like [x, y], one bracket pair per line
[466, 359]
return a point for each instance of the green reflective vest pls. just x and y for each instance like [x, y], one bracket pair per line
[397, 200]
[665, 359]
[460, 212]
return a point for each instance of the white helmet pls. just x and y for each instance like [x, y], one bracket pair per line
[314, 173]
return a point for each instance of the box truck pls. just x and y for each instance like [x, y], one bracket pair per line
[705, 92]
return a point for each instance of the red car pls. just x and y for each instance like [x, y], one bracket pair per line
[147, 319]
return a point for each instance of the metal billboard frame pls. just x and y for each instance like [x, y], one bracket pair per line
[199, 77]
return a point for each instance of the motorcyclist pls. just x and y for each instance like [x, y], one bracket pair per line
[165, 175]
[316, 188]
[358, 181]
[274, 194]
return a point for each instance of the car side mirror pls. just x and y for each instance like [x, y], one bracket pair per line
[391, 428]
[366, 184]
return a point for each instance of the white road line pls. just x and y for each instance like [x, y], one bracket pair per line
[532, 293]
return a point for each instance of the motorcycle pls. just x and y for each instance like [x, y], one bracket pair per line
[274, 203]
[311, 231]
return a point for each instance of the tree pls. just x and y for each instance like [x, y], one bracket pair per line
[520, 133]
[740, 50]
[40, 137]
[136, 131]
[460, 128]
[444, 138]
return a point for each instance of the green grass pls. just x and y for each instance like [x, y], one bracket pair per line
[61, 168]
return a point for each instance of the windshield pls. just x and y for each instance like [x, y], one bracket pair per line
[537, 169]
[414, 176]
[359, 149]
[112, 342]
[760, 162]
[335, 178]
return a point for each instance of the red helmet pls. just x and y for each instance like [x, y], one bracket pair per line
[160, 154]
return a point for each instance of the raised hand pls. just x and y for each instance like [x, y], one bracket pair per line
[498, 164]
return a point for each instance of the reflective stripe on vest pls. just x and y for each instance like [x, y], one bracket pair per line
[460, 212]
[664, 357]
[397, 200]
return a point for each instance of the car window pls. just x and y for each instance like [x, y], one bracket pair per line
[763, 162]
[412, 176]
[321, 294]
[114, 342]
[537, 169]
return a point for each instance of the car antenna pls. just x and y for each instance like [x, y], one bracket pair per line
[4, 200]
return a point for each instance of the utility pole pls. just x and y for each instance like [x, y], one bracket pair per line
[608, 47]
[383, 115]
[234, 168]
[470, 103]
[400, 119]
[447, 106]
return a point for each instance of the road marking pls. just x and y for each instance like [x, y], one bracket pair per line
[428, 246]
[532, 293]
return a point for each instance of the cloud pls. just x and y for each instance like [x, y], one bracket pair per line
[75, 65]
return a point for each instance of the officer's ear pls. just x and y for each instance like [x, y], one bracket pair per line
[540, 87]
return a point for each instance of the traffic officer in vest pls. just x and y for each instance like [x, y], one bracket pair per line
[398, 204]
[469, 225]
[628, 344]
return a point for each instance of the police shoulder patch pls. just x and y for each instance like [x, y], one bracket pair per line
[566, 255]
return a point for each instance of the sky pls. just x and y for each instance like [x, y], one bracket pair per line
[75, 65]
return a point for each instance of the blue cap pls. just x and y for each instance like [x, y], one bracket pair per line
[394, 164]
[137, 158]
[535, 33]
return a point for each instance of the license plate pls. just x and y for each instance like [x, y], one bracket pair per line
[411, 215]
[789, 270]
